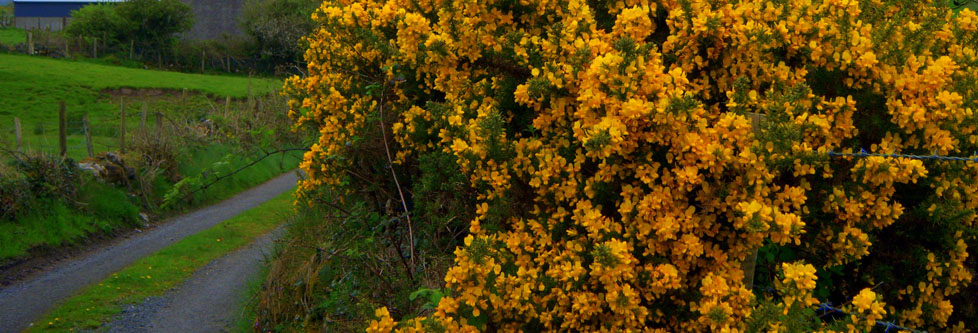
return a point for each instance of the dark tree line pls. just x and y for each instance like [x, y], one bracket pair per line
[149, 24]
[274, 30]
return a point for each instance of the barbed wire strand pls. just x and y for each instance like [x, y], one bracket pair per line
[827, 308]
[862, 153]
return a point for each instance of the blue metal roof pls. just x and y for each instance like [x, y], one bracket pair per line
[51, 8]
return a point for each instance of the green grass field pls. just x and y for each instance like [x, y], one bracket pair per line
[12, 36]
[154, 275]
[31, 87]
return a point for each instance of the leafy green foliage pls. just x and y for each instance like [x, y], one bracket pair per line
[32, 178]
[432, 296]
[277, 27]
[97, 20]
[152, 24]
[155, 23]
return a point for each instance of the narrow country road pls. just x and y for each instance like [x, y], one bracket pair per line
[209, 301]
[25, 301]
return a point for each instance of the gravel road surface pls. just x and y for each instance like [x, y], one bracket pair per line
[209, 301]
[27, 300]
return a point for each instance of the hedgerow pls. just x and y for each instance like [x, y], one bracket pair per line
[630, 164]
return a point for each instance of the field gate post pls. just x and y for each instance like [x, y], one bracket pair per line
[62, 130]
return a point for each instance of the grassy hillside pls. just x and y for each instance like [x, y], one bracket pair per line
[11, 36]
[30, 88]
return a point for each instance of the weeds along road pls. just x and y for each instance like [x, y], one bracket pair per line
[25, 301]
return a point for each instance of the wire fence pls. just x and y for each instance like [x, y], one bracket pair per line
[224, 56]
[81, 139]
[147, 122]
[933, 157]
[828, 309]
[77, 136]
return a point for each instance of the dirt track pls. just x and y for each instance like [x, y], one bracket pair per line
[25, 301]
[209, 301]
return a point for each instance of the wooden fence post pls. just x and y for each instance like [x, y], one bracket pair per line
[67, 55]
[132, 46]
[88, 136]
[227, 106]
[251, 100]
[95, 48]
[62, 130]
[159, 126]
[30, 42]
[159, 121]
[18, 134]
[203, 55]
[122, 126]
[142, 119]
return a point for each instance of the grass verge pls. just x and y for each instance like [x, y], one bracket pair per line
[110, 209]
[154, 275]
[12, 36]
[245, 322]
[53, 223]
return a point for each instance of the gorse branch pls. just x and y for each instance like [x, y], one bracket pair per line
[174, 195]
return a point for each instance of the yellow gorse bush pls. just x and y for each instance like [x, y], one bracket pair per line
[623, 177]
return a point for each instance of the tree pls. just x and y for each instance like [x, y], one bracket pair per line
[630, 157]
[155, 23]
[277, 27]
[97, 20]
[6, 16]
